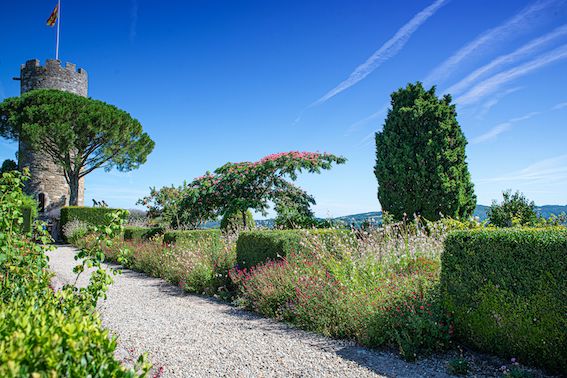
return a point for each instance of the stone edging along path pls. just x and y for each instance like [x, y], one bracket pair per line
[193, 336]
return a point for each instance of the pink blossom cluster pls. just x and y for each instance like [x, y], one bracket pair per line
[304, 155]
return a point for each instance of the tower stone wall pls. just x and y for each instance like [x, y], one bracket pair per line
[47, 183]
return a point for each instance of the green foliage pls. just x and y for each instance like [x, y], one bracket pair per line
[515, 210]
[507, 289]
[196, 267]
[368, 289]
[93, 216]
[79, 134]
[8, 165]
[458, 366]
[164, 206]
[293, 208]
[257, 247]
[22, 219]
[48, 333]
[27, 218]
[518, 372]
[420, 158]
[75, 231]
[210, 238]
[237, 187]
[141, 233]
[234, 222]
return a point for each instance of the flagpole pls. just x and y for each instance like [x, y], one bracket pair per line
[58, 27]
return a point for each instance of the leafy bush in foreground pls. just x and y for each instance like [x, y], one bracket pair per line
[44, 332]
[507, 289]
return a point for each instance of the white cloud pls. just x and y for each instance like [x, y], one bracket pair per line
[519, 22]
[544, 171]
[385, 52]
[492, 133]
[367, 140]
[492, 102]
[494, 83]
[559, 106]
[501, 128]
[508, 59]
[367, 119]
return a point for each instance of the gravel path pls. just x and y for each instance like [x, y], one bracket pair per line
[192, 336]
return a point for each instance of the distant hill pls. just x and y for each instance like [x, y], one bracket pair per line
[376, 216]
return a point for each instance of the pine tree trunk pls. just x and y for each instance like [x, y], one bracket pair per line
[244, 219]
[74, 190]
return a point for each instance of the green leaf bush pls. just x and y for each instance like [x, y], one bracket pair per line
[94, 216]
[257, 247]
[141, 233]
[46, 332]
[233, 222]
[507, 289]
[378, 288]
[192, 238]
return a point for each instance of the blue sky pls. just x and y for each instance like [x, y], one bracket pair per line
[217, 81]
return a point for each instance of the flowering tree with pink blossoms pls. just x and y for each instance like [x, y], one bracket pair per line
[236, 187]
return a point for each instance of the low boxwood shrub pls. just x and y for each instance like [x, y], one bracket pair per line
[210, 238]
[507, 290]
[257, 247]
[141, 233]
[94, 216]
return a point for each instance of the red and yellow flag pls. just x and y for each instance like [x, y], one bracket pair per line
[51, 20]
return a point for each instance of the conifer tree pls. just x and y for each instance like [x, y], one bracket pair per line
[420, 157]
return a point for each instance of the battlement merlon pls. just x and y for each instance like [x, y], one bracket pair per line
[52, 64]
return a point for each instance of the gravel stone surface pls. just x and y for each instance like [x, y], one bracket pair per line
[192, 336]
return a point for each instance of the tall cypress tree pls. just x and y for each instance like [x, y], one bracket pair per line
[420, 157]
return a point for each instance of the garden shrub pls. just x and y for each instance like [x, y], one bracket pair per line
[507, 290]
[43, 332]
[193, 238]
[75, 230]
[141, 233]
[94, 216]
[256, 247]
[233, 222]
[349, 287]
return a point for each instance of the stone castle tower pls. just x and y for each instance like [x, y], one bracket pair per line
[47, 183]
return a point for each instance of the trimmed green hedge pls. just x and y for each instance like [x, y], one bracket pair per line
[28, 218]
[95, 216]
[210, 238]
[257, 247]
[507, 290]
[141, 233]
